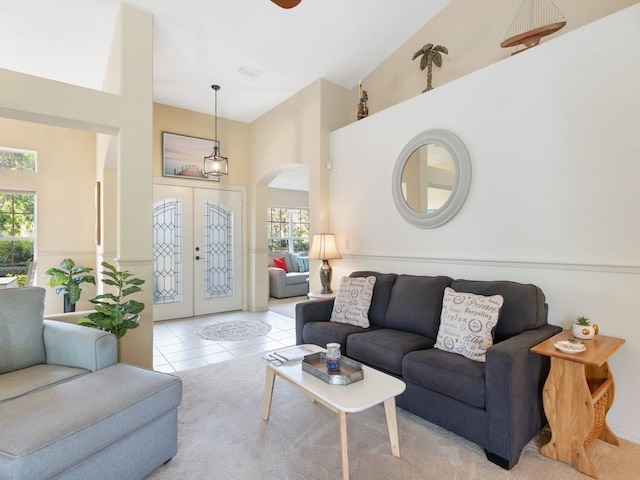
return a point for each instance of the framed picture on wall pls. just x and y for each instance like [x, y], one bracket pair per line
[183, 156]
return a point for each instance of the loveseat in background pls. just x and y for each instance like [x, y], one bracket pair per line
[292, 283]
[67, 409]
[496, 404]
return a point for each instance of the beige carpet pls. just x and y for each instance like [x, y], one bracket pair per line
[285, 306]
[221, 436]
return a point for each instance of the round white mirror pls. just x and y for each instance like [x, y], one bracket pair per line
[431, 178]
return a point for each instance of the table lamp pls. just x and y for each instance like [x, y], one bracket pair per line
[323, 247]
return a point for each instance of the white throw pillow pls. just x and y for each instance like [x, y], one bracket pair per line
[467, 322]
[353, 300]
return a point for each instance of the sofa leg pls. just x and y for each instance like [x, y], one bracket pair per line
[501, 461]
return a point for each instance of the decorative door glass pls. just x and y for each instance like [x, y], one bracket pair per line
[218, 250]
[167, 251]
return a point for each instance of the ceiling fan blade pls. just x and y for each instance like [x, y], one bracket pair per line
[286, 3]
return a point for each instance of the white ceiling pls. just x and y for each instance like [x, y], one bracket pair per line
[201, 42]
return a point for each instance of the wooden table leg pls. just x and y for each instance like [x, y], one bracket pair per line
[392, 425]
[342, 420]
[567, 404]
[268, 392]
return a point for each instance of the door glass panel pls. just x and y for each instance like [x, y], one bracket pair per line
[167, 251]
[218, 251]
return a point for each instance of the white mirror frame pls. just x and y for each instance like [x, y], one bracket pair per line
[461, 184]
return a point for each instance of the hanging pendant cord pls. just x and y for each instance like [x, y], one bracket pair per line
[216, 119]
[215, 109]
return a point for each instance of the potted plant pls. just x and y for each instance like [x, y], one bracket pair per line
[67, 279]
[113, 313]
[583, 329]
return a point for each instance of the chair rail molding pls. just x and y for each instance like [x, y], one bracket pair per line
[513, 263]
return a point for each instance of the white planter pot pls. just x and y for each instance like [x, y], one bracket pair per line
[584, 332]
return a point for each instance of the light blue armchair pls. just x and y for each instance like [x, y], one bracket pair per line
[42, 352]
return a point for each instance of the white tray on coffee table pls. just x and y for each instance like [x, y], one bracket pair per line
[376, 387]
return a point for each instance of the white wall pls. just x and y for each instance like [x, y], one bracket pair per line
[65, 189]
[279, 197]
[554, 192]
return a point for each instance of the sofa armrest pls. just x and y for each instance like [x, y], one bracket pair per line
[514, 378]
[77, 346]
[277, 282]
[312, 311]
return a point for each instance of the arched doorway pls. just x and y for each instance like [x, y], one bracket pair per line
[285, 187]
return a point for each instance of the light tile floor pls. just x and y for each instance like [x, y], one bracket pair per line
[176, 346]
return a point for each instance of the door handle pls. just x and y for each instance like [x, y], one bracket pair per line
[198, 257]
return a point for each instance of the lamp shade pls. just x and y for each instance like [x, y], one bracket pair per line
[323, 247]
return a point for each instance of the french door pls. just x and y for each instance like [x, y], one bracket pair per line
[197, 250]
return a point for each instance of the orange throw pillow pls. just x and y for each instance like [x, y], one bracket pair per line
[281, 263]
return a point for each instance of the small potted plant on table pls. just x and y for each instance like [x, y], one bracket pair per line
[583, 329]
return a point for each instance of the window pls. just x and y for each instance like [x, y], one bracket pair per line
[288, 230]
[14, 159]
[17, 227]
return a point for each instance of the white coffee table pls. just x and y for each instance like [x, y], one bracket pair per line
[376, 387]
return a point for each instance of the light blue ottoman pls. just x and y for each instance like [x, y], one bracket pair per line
[116, 423]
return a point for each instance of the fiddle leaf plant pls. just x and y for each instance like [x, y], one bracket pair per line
[113, 313]
[67, 279]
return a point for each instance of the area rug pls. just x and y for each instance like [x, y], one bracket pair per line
[221, 436]
[234, 330]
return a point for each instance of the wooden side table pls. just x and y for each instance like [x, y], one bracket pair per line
[577, 395]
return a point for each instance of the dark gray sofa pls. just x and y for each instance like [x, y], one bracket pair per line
[496, 404]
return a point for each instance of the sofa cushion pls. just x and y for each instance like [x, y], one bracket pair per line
[292, 265]
[49, 431]
[31, 379]
[381, 295]
[21, 326]
[280, 262]
[294, 278]
[523, 309]
[467, 323]
[447, 373]
[416, 303]
[303, 263]
[385, 348]
[353, 300]
[321, 333]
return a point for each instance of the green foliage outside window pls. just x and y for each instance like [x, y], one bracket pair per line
[11, 159]
[288, 230]
[17, 222]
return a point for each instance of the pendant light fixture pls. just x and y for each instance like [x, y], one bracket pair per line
[216, 165]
